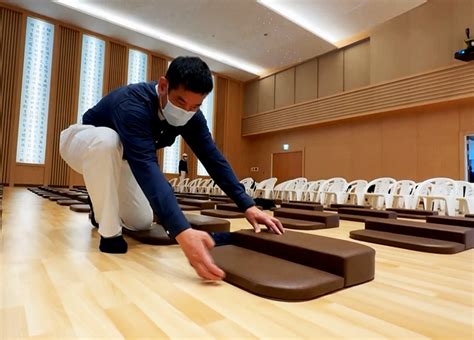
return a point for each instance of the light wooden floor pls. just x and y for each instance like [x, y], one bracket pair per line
[55, 283]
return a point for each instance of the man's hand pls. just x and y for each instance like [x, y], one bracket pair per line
[256, 217]
[196, 245]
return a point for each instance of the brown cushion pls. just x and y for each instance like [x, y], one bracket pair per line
[451, 233]
[417, 212]
[68, 202]
[80, 208]
[185, 207]
[228, 206]
[367, 212]
[291, 223]
[275, 272]
[452, 220]
[407, 241]
[207, 223]
[56, 198]
[222, 213]
[352, 206]
[273, 277]
[155, 236]
[329, 219]
[355, 218]
[201, 204]
[305, 206]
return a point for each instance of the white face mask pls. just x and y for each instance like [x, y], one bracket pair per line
[176, 116]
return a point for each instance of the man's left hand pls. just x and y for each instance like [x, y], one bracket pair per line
[255, 216]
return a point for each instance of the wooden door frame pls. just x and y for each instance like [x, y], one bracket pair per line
[297, 150]
[462, 153]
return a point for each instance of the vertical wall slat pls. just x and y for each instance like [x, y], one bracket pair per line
[10, 31]
[117, 67]
[65, 109]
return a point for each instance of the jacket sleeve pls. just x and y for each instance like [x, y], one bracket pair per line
[197, 136]
[139, 150]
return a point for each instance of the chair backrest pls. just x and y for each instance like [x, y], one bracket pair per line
[173, 181]
[268, 183]
[381, 185]
[357, 186]
[464, 189]
[439, 186]
[194, 183]
[282, 186]
[336, 184]
[296, 184]
[247, 182]
[403, 187]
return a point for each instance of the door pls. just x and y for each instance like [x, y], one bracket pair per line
[287, 165]
[469, 159]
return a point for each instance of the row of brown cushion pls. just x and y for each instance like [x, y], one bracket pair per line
[157, 235]
[427, 237]
[293, 266]
[306, 219]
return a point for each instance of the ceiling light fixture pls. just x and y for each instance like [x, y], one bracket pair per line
[153, 32]
[287, 10]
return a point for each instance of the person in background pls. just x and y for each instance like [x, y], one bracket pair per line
[183, 168]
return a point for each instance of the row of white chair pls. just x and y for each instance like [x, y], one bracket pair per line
[195, 186]
[444, 194]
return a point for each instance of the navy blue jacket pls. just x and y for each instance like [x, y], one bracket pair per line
[132, 111]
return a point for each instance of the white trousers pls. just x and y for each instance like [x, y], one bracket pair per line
[96, 153]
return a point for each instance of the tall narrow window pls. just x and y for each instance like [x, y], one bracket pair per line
[171, 157]
[137, 66]
[35, 92]
[92, 73]
[207, 109]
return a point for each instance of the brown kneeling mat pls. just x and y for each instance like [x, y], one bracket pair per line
[156, 235]
[198, 203]
[427, 237]
[222, 213]
[304, 206]
[363, 215]
[293, 266]
[80, 208]
[328, 219]
[452, 220]
[68, 202]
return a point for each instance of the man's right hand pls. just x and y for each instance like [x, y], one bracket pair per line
[196, 245]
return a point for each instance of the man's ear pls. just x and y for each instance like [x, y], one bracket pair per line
[163, 86]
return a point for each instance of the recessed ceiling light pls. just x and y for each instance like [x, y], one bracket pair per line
[123, 21]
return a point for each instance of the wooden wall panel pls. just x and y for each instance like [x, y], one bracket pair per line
[400, 138]
[64, 96]
[330, 74]
[118, 66]
[357, 66]
[158, 67]
[306, 81]
[440, 85]
[413, 143]
[422, 39]
[250, 98]
[285, 88]
[221, 92]
[266, 94]
[10, 82]
[233, 122]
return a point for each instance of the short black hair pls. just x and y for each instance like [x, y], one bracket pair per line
[190, 72]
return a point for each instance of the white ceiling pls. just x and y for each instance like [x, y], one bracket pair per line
[239, 38]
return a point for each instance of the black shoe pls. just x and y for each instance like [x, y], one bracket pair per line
[113, 245]
[91, 214]
[221, 239]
